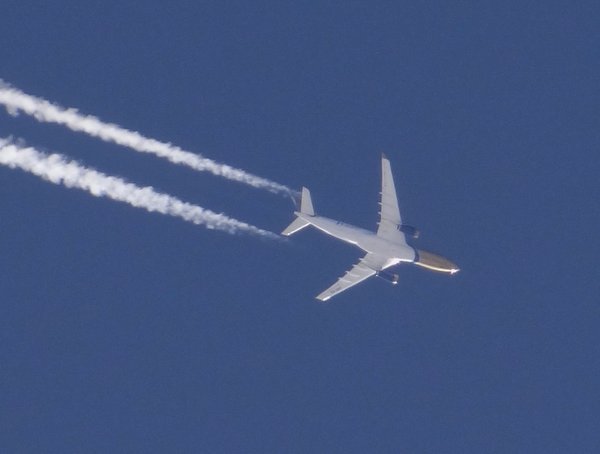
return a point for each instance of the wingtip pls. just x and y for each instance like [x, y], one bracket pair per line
[383, 156]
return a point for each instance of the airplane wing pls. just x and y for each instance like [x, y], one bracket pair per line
[367, 267]
[390, 213]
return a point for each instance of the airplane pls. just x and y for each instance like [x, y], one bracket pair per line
[385, 248]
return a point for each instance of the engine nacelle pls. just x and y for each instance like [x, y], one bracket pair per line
[409, 230]
[390, 277]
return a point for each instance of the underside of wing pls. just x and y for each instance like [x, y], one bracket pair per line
[369, 265]
[390, 212]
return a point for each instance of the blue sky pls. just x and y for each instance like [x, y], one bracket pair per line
[128, 331]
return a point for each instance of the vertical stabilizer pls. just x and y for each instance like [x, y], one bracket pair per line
[306, 206]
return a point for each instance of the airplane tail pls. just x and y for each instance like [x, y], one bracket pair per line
[306, 207]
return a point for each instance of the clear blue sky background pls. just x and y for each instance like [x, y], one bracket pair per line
[125, 331]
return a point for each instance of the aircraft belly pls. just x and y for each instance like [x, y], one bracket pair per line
[344, 232]
[377, 245]
[367, 241]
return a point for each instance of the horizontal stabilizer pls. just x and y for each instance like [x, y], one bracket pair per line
[298, 224]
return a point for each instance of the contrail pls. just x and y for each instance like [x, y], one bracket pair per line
[57, 169]
[16, 101]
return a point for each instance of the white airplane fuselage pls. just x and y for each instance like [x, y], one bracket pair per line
[364, 239]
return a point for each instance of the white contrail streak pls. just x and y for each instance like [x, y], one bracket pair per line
[16, 101]
[57, 169]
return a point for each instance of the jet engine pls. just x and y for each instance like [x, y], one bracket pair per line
[390, 277]
[409, 230]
